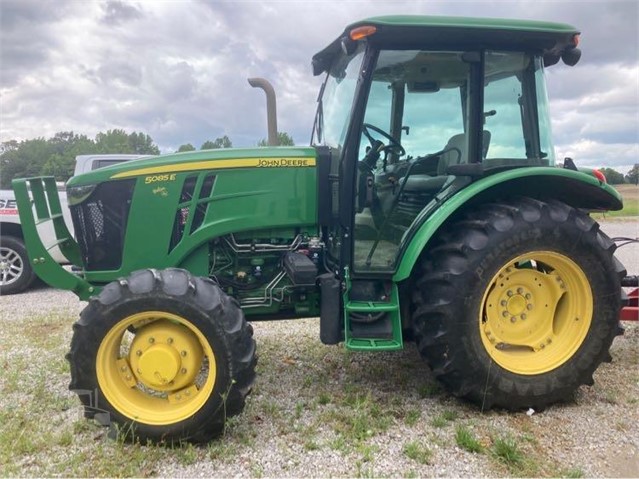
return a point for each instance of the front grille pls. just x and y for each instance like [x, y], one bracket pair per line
[100, 224]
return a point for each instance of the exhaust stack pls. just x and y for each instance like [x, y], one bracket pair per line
[271, 109]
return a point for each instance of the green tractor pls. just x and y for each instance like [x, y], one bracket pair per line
[428, 208]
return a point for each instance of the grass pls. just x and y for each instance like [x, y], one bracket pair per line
[411, 417]
[358, 417]
[507, 451]
[466, 440]
[573, 473]
[325, 403]
[418, 452]
[444, 418]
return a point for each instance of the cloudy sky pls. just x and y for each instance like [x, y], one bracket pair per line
[177, 70]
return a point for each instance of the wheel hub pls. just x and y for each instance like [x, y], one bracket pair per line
[528, 321]
[165, 356]
[516, 305]
[10, 266]
[159, 365]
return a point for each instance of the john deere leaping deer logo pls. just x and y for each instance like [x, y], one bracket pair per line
[160, 190]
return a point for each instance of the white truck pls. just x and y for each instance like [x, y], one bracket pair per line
[16, 274]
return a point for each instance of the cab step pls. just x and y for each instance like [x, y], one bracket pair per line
[373, 325]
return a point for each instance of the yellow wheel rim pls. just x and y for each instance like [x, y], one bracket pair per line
[536, 313]
[156, 368]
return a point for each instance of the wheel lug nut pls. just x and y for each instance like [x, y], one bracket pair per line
[528, 296]
[169, 341]
[151, 340]
[183, 353]
[523, 316]
[505, 314]
[123, 368]
[138, 353]
[509, 293]
[183, 370]
[529, 307]
[513, 319]
[503, 302]
[520, 290]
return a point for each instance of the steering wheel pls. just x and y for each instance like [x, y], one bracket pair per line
[393, 145]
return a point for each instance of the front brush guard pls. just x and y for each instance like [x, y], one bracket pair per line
[41, 195]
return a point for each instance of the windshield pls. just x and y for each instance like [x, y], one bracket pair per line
[336, 101]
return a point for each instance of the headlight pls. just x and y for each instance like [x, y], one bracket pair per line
[78, 194]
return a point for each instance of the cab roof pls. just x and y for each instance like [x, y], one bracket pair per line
[413, 31]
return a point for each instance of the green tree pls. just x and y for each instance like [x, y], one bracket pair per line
[142, 144]
[633, 175]
[27, 159]
[220, 142]
[113, 141]
[65, 146]
[613, 176]
[283, 138]
[185, 147]
[56, 156]
[119, 141]
[9, 146]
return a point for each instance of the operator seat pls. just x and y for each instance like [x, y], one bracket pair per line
[453, 153]
[421, 188]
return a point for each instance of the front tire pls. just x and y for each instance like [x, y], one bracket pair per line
[16, 273]
[163, 356]
[518, 303]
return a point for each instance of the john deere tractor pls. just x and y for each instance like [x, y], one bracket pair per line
[428, 208]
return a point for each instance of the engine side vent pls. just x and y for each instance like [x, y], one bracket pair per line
[203, 202]
[192, 206]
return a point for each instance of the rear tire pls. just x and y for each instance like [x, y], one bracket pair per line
[518, 303]
[163, 356]
[16, 273]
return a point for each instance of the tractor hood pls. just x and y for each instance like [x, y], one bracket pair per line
[154, 168]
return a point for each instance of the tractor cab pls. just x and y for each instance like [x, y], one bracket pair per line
[413, 110]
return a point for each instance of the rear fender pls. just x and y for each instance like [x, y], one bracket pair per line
[577, 189]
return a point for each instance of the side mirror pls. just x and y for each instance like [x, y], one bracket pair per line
[571, 57]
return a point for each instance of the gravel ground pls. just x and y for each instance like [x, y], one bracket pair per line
[292, 425]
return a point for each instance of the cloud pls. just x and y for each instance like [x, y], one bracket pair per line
[27, 36]
[116, 13]
[178, 70]
[592, 153]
